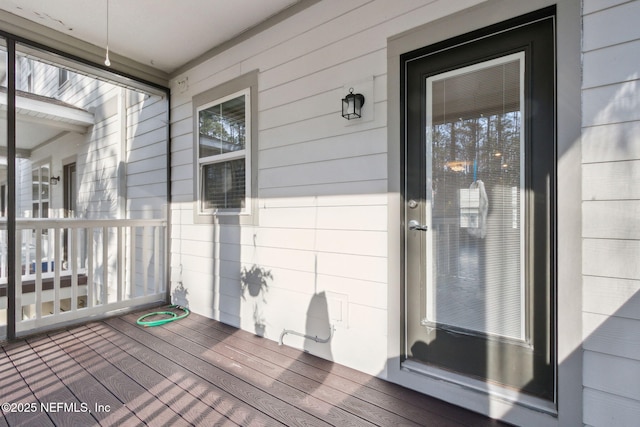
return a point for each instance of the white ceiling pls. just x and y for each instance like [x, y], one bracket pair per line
[164, 34]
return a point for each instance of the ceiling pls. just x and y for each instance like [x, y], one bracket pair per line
[164, 34]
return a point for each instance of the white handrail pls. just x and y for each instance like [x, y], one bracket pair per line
[26, 223]
[73, 268]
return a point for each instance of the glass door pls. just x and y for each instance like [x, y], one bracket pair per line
[479, 191]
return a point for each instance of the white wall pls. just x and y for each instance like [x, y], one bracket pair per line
[322, 223]
[121, 159]
[146, 156]
[611, 212]
[321, 229]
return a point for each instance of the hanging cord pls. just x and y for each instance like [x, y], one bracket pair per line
[106, 59]
[173, 316]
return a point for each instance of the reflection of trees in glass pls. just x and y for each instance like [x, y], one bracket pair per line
[489, 146]
[225, 126]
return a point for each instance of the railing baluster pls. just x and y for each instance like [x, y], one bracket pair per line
[74, 269]
[37, 263]
[18, 280]
[121, 286]
[51, 243]
[89, 266]
[146, 259]
[133, 258]
[105, 264]
[156, 259]
[57, 263]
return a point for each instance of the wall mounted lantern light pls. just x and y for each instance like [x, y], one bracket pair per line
[352, 105]
[55, 180]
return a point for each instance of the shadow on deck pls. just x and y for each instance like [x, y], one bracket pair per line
[196, 372]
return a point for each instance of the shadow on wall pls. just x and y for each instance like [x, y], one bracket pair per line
[317, 336]
[255, 281]
[179, 295]
[318, 332]
[318, 328]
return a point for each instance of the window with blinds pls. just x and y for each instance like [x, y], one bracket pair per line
[475, 181]
[223, 147]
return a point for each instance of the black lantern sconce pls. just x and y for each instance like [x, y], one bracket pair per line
[352, 105]
[55, 180]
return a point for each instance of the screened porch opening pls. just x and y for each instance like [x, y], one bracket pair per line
[90, 191]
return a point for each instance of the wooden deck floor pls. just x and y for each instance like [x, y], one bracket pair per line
[196, 372]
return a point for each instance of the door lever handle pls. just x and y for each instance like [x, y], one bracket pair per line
[415, 225]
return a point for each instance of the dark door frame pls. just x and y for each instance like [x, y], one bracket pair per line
[488, 43]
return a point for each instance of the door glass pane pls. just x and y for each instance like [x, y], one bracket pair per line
[474, 199]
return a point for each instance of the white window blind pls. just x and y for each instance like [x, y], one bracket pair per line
[475, 180]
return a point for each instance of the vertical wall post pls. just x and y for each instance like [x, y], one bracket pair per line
[11, 195]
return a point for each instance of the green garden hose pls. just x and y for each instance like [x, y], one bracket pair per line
[172, 316]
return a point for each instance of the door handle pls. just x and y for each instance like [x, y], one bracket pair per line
[415, 225]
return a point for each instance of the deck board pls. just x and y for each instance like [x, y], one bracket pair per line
[200, 372]
[300, 391]
[341, 392]
[386, 395]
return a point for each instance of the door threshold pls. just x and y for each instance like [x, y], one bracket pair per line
[494, 391]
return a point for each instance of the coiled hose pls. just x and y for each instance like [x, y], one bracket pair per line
[173, 316]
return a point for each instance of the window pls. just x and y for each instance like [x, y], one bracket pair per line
[63, 77]
[24, 82]
[40, 191]
[225, 143]
[222, 154]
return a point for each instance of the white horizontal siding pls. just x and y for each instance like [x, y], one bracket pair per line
[611, 142]
[344, 188]
[363, 143]
[604, 409]
[612, 297]
[148, 151]
[146, 156]
[611, 208]
[621, 61]
[320, 127]
[322, 181]
[617, 219]
[325, 80]
[611, 258]
[611, 180]
[364, 218]
[620, 377]
[615, 336]
[619, 24]
[592, 6]
[616, 103]
[360, 168]
[97, 164]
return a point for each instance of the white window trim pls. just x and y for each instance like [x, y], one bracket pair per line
[38, 167]
[220, 158]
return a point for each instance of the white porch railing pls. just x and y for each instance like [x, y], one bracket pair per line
[70, 269]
